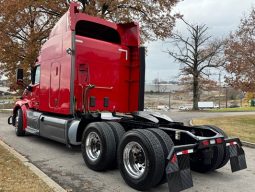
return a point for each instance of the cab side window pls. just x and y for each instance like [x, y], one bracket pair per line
[36, 78]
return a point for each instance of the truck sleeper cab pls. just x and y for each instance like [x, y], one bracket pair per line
[87, 89]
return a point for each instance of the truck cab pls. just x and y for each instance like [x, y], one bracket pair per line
[87, 56]
[87, 89]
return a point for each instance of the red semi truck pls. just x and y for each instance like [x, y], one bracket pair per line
[87, 89]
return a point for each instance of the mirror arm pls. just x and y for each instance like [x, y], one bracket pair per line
[27, 87]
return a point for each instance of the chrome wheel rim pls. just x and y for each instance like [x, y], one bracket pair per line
[134, 159]
[93, 146]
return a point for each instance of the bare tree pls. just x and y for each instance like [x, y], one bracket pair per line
[196, 53]
[205, 84]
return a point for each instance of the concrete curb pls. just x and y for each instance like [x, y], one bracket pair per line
[52, 184]
[245, 143]
[6, 111]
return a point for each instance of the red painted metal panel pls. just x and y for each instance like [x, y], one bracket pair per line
[54, 84]
[23, 104]
[55, 89]
[113, 68]
[108, 69]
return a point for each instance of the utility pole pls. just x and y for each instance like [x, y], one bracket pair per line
[226, 96]
[219, 87]
[158, 82]
[169, 101]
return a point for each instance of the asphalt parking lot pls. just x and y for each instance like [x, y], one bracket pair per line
[67, 167]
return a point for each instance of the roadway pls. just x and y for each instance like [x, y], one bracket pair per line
[67, 167]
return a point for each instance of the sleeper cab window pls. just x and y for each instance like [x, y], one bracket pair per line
[97, 31]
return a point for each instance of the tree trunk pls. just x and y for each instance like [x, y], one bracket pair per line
[195, 93]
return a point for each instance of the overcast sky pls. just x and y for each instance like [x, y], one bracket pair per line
[221, 16]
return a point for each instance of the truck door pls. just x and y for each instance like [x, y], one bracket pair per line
[35, 87]
[54, 84]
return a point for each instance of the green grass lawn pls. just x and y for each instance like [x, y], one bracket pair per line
[237, 109]
[236, 126]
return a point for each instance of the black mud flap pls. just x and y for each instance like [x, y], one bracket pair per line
[178, 170]
[237, 156]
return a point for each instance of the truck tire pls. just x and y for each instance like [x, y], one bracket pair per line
[226, 152]
[118, 131]
[141, 159]
[19, 123]
[98, 146]
[198, 160]
[166, 144]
